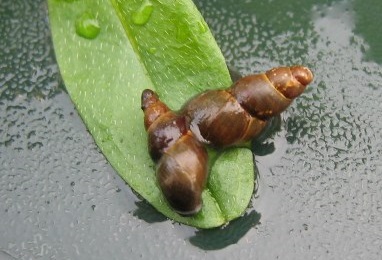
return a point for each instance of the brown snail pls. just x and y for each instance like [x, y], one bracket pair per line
[181, 159]
[219, 118]
[235, 115]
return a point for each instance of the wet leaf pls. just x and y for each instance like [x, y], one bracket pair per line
[108, 52]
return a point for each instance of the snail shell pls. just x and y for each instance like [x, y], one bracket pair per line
[182, 174]
[181, 158]
[235, 115]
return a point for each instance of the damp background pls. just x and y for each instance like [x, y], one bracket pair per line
[319, 193]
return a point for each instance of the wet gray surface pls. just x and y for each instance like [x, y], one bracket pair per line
[319, 193]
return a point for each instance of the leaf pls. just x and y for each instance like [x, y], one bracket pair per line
[125, 46]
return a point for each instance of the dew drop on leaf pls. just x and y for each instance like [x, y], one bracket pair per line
[202, 26]
[153, 50]
[87, 26]
[182, 32]
[142, 15]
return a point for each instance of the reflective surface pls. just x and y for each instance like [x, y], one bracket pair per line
[319, 194]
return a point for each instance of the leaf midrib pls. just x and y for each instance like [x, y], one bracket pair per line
[132, 39]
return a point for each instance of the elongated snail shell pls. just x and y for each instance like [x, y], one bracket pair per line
[235, 115]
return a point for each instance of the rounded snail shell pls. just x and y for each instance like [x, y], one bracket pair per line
[181, 158]
[182, 174]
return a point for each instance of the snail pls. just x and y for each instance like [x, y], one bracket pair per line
[238, 114]
[182, 161]
[218, 118]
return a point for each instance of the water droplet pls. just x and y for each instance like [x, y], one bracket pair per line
[87, 26]
[202, 25]
[182, 32]
[142, 15]
[305, 226]
[153, 50]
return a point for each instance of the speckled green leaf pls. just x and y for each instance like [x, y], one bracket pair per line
[130, 45]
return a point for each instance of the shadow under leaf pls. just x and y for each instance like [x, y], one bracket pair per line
[148, 213]
[218, 238]
[260, 146]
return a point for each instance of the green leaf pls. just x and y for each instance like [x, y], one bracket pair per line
[125, 46]
[230, 182]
